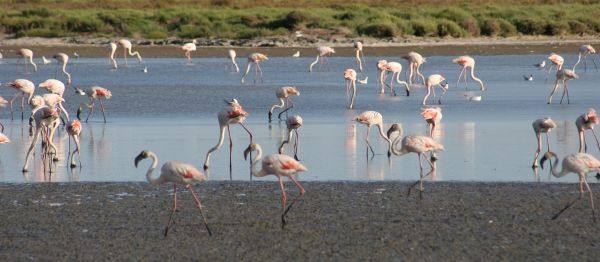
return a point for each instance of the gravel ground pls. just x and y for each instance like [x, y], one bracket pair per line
[334, 221]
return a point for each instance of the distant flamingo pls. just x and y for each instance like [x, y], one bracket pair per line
[232, 114]
[381, 68]
[255, 59]
[557, 61]
[278, 165]
[467, 62]
[63, 59]
[350, 77]
[415, 60]
[45, 118]
[432, 82]
[358, 46]
[371, 118]
[74, 131]
[53, 86]
[293, 123]
[562, 76]
[283, 94]
[584, 51]
[54, 100]
[126, 44]
[177, 173]
[95, 92]
[433, 116]
[113, 48]
[188, 48]
[585, 122]
[396, 68]
[580, 164]
[45, 61]
[542, 125]
[3, 138]
[23, 87]
[27, 54]
[232, 56]
[324, 51]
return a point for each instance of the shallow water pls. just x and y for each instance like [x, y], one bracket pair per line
[172, 111]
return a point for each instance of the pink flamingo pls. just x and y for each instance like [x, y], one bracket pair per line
[415, 60]
[557, 61]
[432, 82]
[358, 46]
[95, 92]
[126, 44]
[177, 173]
[3, 138]
[293, 123]
[350, 76]
[278, 165]
[283, 94]
[580, 164]
[232, 56]
[396, 68]
[74, 131]
[382, 70]
[233, 114]
[562, 76]
[63, 59]
[371, 118]
[542, 125]
[188, 48]
[111, 56]
[585, 122]
[324, 51]
[584, 51]
[255, 59]
[45, 118]
[467, 62]
[433, 116]
[55, 87]
[27, 54]
[23, 87]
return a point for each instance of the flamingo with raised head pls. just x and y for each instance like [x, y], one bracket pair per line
[284, 94]
[358, 47]
[542, 125]
[562, 76]
[232, 56]
[467, 62]
[255, 58]
[373, 118]
[63, 59]
[350, 77]
[584, 122]
[94, 93]
[280, 166]
[396, 69]
[293, 123]
[45, 118]
[177, 173]
[432, 82]
[74, 131]
[27, 54]
[23, 87]
[584, 51]
[415, 60]
[126, 44]
[323, 51]
[188, 48]
[111, 55]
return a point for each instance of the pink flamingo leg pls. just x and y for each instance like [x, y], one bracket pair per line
[302, 191]
[172, 210]
[199, 205]
[537, 151]
[591, 197]
[460, 75]
[230, 152]
[284, 201]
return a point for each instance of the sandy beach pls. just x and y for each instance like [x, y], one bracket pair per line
[335, 221]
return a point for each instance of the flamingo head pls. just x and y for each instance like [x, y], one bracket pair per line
[79, 91]
[394, 128]
[350, 74]
[250, 148]
[591, 116]
[381, 64]
[37, 101]
[548, 155]
[49, 113]
[292, 90]
[143, 155]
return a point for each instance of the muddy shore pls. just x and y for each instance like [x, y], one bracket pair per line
[335, 221]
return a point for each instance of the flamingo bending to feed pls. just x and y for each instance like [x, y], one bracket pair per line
[23, 87]
[63, 59]
[74, 131]
[432, 82]
[396, 68]
[585, 122]
[232, 56]
[542, 125]
[56, 87]
[278, 165]
[177, 173]
[283, 94]
[557, 61]
[371, 118]
[255, 58]
[27, 54]
[382, 70]
[324, 51]
[433, 116]
[350, 76]
[467, 62]
[584, 51]
[562, 76]
[45, 121]
[415, 60]
[126, 44]
[358, 46]
[111, 55]
[94, 93]
[293, 123]
[188, 48]
[3, 138]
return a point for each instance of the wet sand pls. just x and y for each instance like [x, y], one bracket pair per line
[334, 221]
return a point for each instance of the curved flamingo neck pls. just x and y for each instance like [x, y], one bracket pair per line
[151, 180]
[256, 159]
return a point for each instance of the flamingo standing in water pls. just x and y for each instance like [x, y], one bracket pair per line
[467, 62]
[27, 54]
[415, 60]
[432, 82]
[324, 51]
[255, 59]
[585, 122]
[63, 59]
[542, 125]
[283, 94]
[293, 123]
[580, 164]
[371, 118]
[557, 61]
[280, 166]
[3, 138]
[56, 87]
[382, 70]
[23, 87]
[126, 44]
[111, 56]
[74, 131]
[232, 56]
[433, 116]
[232, 114]
[177, 173]
[45, 118]
[396, 68]
[350, 76]
[94, 93]
[188, 48]
[358, 46]
[584, 51]
[562, 76]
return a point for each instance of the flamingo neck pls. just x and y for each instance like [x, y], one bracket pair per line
[152, 180]
[277, 105]
[256, 159]
[475, 78]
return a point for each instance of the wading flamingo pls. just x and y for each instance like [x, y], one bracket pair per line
[584, 51]
[283, 94]
[382, 74]
[433, 116]
[324, 51]
[580, 164]
[350, 77]
[278, 165]
[56, 87]
[232, 56]
[255, 58]
[28, 55]
[415, 60]
[45, 118]
[557, 61]
[585, 122]
[562, 76]
[111, 56]
[467, 62]
[74, 131]
[358, 46]
[396, 68]
[126, 44]
[293, 123]
[63, 59]
[54, 100]
[95, 92]
[23, 87]
[432, 82]
[371, 118]
[188, 48]
[177, 173]
[3, 138]
[542, 125]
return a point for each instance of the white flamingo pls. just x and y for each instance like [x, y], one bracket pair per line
[584, 51]
[255, 58]
[415, 60]
[94, 93]
[542, 125]
[562, 76]
[293, 123]
[283, 94]
[373, 118]
[432, 82]
[323, 51]
[467, 62]
[584, 122]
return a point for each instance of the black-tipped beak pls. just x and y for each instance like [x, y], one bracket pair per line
[79, 113]
[139, 158]
[246, 152]
[270, 115]
[389, 154]
[542, 160]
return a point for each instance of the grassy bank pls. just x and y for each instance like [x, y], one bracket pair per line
[345, 21]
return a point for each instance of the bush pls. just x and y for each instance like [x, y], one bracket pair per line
[497, 27]
[453, 14]
[294, 20]
[530, 26]
[157, 35]
[449, 28]
[470, 26]
[88, 25]
[424, 27]
[579, 28]
[377, 30]
[41, 32]
[41, 12]
[557, 28]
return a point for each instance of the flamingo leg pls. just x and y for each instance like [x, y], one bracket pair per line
[102, 107]
[199, 205]
[460, 75]
[302, 191]
[230, 152]
[427, 95]
[548, 141]
[289, 104]
[585, 63]
[284, 201]
[173, 209]
[91, 111]
[22, 108]
[591, 197]
[537, 151]
[38, 130]
[125, 56]
[392, 84]
[250, 134]
[11, 104]
[369, 144]
[552, 93]
[289, 137]
[410, 76]
[595, 137]
[296, 145]
[78, 146]
[465, 75]
[419, 74]
[260, 71]
[595, 66]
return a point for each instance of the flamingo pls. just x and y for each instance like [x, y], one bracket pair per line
[232, 55]
[111, 56]
[126, 44]
[580, 164]
[557, 61]
[584, 51]
[283, 94]
[358, 46]
[188, 48]
[232, 114]
[350, 76]
[3, 138]
[74, 131]
[95, 92]
[542, 125]
[415, 60]
[585, 122]
[396, 68]
[371, 118]
[55, 87]
[382, 70]
[432, 82]
[254, 58]
[467, 62]
[433, 116]
[24, 86]
[27, 54]
[45, 118]
[54, 100]
[45, 61]
[63, 59]
[562, 76]
[278, 165]
[293, 123]
[177, 173]
[323, 52]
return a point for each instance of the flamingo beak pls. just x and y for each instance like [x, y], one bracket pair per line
[79, 113]
[139, 158]
[247, 151]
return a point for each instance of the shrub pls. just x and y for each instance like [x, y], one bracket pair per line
[470, 25]
[157, 35]
[424, 27]
[454, 14]
[530, 26]
[497, 27]
[579, 28]
[449, 28]
[377, 30]
[88, 25]
[41, 32]
[557, 28]
[294, 19]
[41, 12]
